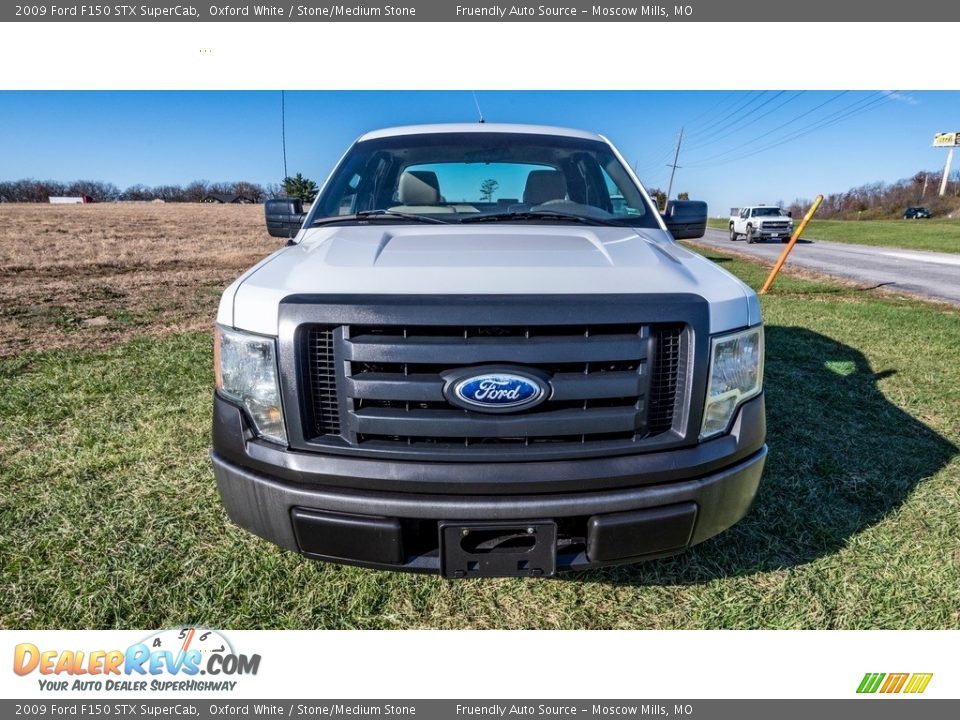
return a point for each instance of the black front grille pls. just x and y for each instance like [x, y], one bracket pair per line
[323, 380]
[666, 377]
[611, 384]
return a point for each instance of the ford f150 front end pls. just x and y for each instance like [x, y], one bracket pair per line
[483, 353]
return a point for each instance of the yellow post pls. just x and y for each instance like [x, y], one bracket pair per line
[793, 241]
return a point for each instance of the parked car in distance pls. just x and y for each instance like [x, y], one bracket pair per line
[917, 213]
[483, 353]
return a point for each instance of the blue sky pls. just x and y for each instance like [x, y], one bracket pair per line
[741, 146]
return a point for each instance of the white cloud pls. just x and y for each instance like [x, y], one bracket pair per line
[901, 97]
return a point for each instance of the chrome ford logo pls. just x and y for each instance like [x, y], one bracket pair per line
[495, 391]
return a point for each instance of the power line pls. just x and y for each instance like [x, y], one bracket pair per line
[772, 130]
[661, 158]
[829, 120]
[730, 117]
[692, 123]
[663, 151]
[756, 119]
[821, 124]
[749, 100]
[707, 138]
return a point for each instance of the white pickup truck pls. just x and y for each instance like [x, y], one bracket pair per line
[483, 353]
[760, 222]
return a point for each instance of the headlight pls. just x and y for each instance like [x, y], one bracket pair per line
[736, 374]
[246, 371]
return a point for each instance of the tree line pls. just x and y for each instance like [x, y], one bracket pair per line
[881, 200]
[40, 191]
[873, 201]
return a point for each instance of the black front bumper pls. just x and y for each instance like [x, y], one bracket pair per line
[390, 514]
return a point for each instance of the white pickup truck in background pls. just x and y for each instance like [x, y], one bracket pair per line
[759, 223]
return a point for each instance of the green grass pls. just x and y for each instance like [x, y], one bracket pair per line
[110, 517]
[939, 235]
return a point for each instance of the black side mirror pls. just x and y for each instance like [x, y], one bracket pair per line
[686, 219]
[284, 216]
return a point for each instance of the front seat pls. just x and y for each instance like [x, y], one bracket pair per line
[543, 186]
[419, 192]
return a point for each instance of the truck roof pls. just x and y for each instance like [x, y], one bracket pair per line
[480, 128]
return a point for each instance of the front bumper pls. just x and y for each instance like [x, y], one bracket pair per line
[389, 514]
[771, 233]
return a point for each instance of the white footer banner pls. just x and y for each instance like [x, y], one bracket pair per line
[188, 662]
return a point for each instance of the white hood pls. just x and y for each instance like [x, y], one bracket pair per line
[482, 260]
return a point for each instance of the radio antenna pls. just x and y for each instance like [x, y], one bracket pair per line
[283, 130]
[477, 103]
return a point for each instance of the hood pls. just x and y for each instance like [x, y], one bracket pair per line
[483, 260]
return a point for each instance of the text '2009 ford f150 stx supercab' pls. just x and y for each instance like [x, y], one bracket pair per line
[483, 353]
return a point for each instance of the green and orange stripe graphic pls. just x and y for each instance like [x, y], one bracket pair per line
[894, 682]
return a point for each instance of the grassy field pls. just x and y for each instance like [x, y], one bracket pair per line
[110, 516]
[937, 235]
[76, 276]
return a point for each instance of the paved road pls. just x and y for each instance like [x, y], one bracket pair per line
[928, 274]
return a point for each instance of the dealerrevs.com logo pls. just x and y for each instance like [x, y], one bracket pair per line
[168, 660]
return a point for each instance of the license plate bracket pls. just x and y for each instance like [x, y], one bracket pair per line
[496, 549]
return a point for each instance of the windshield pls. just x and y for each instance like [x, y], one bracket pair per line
[456, 177]
[766, 212]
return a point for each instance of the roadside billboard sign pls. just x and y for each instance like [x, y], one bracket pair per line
[946, 139]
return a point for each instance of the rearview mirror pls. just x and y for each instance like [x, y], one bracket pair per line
[686, 219]
[284, 217]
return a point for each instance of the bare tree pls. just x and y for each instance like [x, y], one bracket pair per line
[137, 192]
[248, 189]
[195, 191]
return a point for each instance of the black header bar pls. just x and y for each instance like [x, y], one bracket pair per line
[735, 11]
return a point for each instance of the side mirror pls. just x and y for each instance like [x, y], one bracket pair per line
[686, 219]
[284, 217]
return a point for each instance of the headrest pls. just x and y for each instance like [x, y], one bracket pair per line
[419, 187]
[544, 185]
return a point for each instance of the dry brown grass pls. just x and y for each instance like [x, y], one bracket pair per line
[91, 275]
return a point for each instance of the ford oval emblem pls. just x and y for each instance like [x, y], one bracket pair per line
[496, 391]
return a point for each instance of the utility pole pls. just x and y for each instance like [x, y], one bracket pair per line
[673, 168]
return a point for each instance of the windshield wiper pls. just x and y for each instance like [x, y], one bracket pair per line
[538, 215]
[376, 215]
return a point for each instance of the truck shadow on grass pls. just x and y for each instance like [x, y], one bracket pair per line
[842, 457]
